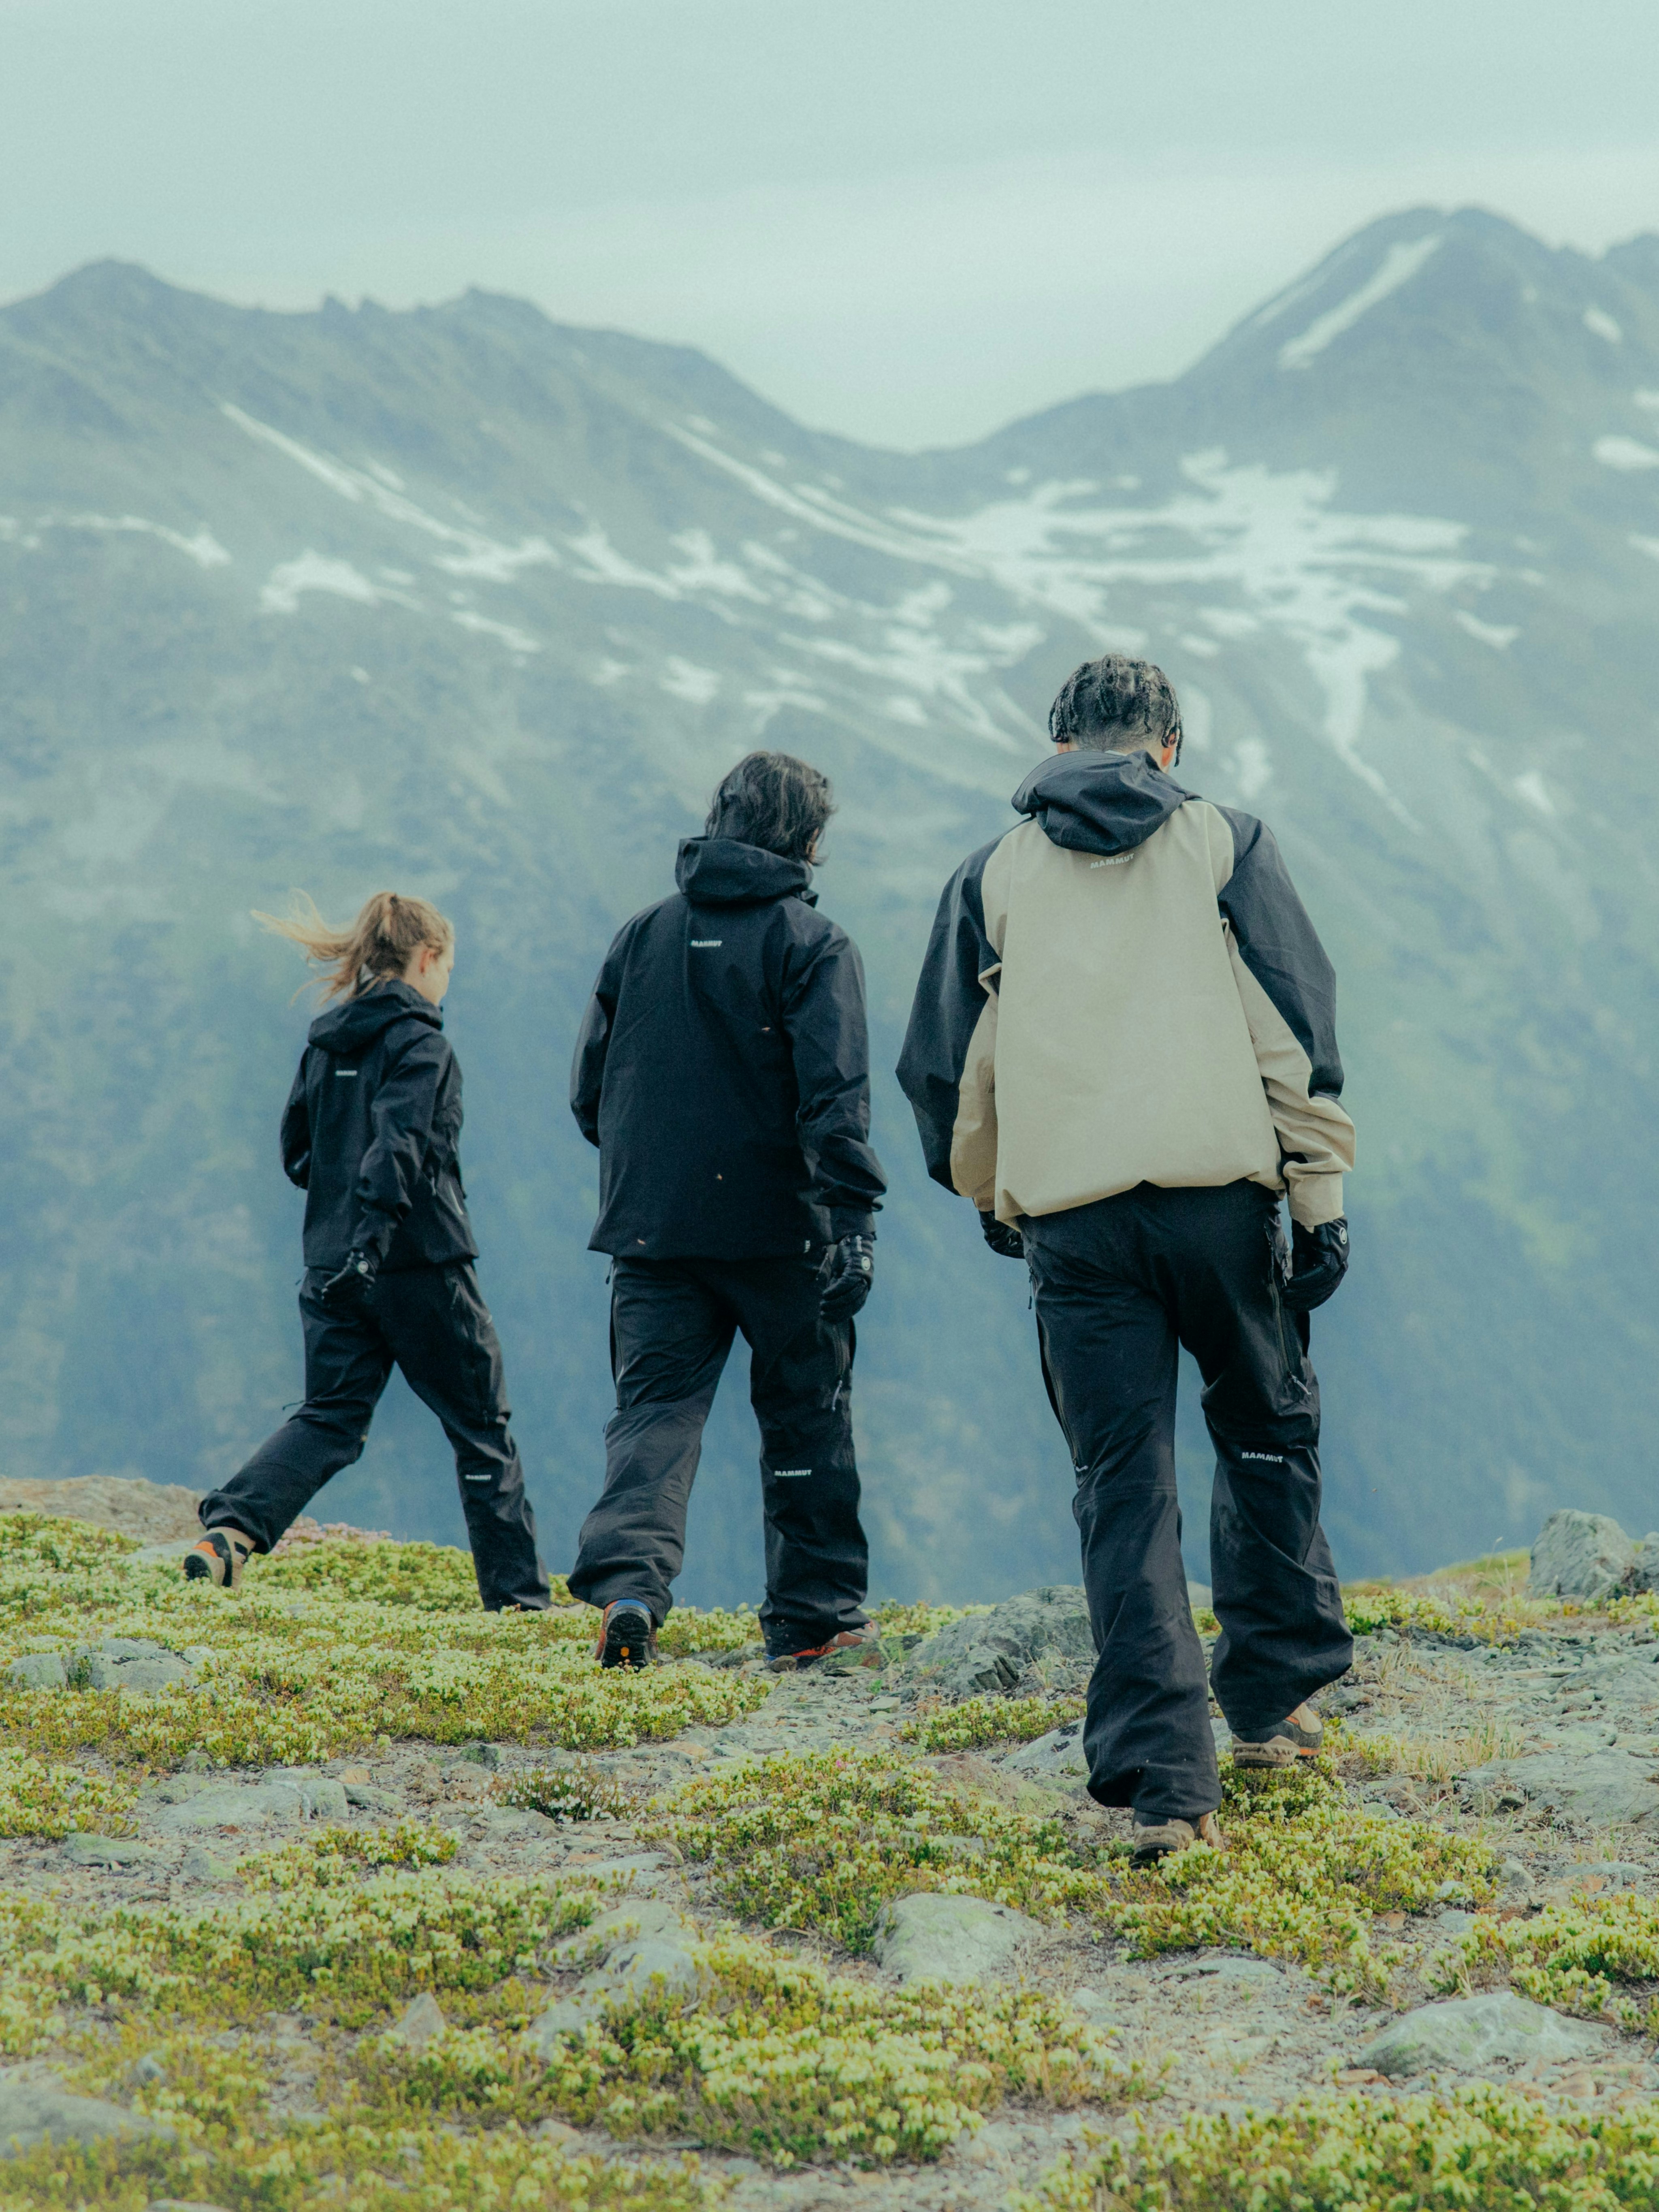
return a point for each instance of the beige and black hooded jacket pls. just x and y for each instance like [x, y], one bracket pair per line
[1126, 988]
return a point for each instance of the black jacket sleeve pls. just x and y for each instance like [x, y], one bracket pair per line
[400, 1125]
[823, 1017]
[948, 1001]
[296, 1130]
[1280, 947]
[594, 1044]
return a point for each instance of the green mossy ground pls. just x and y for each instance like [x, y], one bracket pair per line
[181, 2006]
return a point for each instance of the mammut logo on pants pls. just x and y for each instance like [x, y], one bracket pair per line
[790, 1474]
[1275, 1459]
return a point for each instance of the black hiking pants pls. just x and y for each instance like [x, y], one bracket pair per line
[1120, 1284]
[673, 1323]
[432, 1324]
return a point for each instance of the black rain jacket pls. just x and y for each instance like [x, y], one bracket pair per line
[371, 1134]
[723, 1069]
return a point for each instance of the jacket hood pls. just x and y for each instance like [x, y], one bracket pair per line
[348, 1030]
[1092, 802]
[722, 872]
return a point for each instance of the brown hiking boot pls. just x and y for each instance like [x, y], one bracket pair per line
[627, 1634]
[784, 1656]
[219, 1558]
[1298, 1737]
[1156, 1840]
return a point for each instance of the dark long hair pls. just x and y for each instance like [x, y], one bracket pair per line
[773, 800]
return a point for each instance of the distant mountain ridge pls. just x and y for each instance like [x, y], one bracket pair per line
[467, 600]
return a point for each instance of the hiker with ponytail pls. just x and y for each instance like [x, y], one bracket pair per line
[370, 1133]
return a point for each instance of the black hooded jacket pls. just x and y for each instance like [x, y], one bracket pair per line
[723, 1069]
[371, 1134]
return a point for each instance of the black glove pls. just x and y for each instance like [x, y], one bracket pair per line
[1007, 1244]
[1319, 1261]
[350, 1290]
[852, 1264]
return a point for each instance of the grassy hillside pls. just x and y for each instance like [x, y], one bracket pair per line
[290, 1922]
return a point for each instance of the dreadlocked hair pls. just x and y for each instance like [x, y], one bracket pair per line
[1115, 704]
[774, 800]
[380, 943]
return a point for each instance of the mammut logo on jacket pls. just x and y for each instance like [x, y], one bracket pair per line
[790, 1474]
[1276, 1458]
[707, 944]
[1113, 860]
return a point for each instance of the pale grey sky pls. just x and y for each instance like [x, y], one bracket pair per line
[904, 220]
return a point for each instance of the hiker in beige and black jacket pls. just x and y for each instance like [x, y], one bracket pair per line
[1123, 1051]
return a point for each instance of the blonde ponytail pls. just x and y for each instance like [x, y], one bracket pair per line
[380, 943]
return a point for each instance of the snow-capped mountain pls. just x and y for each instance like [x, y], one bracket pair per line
[467, 602]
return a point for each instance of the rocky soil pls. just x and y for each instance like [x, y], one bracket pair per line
[1541, 1737]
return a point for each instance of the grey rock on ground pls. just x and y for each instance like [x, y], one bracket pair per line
[1645, 1566]
[202, 1865]
[643, 1944]
[422, 2023]
[38, 1670]
[368, 1799]
[988, 1652]
[1465, 2035]
[152, 1512]
[1058, 1754]
[1514, 1883]
[514, 1820]
[1580, 1555]
[934, 1938]
[88, 1850]
[280, 1799]
[31, 2111]
[1599, 1874]
[1594, 1785]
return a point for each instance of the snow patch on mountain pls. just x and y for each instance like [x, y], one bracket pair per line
[475, 553]
[519, 641]
[321, 572]
[1499, 635]
[1626, 454]
[202, 546]
[1252, 766]
[684, 679]
[1400, 264]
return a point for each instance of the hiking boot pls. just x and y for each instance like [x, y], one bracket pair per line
[628, 1635]
[219, 1558]
[789, 1648]
[1158, 1839]
[1298, 1737]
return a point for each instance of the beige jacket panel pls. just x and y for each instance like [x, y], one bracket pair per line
[1121, 1052]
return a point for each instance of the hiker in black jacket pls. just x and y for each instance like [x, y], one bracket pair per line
[723, 1071]
[370, 1133]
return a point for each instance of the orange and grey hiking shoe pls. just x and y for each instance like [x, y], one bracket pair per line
[628, 1635]
[219, 1558]
[1160, 1839]
[1298, 1737]
[789, 1648]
